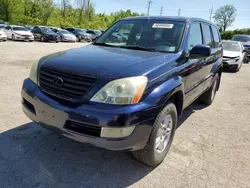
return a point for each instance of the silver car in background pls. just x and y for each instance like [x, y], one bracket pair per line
[233, 55]
[3, 35]
[16, 32]
[65, 35]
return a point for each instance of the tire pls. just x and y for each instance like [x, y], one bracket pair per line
[245, 59]
[150, 154]
[238, 68]
[207, 98]
[42, 39]
[78, 39]
[13, 37]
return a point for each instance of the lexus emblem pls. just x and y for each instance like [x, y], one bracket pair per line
[58, 82]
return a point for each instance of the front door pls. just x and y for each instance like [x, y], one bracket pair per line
[194, 73]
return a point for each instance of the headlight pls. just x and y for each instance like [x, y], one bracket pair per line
[122, 91]
[33, 72]
[237, 58]
[17, 34]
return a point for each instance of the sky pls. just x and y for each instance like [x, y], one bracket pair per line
[190, 8]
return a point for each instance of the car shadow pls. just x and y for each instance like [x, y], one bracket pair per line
[195, 106]
[31, 156]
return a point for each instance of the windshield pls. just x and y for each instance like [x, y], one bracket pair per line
[150, 35]
[64, 31]
[231, 46]
[19, 29]
[241, 38]
[29, 27]
[98, 32]
[2, 26]
[46, 30]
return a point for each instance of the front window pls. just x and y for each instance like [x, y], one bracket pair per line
[149, 35]
[241, 38]
[80, 30]
[64, 31]
[19, 29]
[231, 46]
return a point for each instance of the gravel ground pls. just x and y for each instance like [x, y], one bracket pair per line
[211, 147]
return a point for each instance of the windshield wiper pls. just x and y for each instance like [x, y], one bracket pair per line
[139, 48]
[104, 44]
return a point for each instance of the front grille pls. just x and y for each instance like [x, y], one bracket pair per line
[26, 36]
[83, 128]
[74, 87]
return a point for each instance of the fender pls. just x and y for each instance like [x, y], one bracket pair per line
[160, 95]
[216, 67]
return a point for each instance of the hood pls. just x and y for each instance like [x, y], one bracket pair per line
[108, 62]
[84, 34]
[68, 35]
[23, 32]
[246, 44]
[2, 32]
[231, 53]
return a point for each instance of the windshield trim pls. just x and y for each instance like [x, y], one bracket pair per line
[156, 20]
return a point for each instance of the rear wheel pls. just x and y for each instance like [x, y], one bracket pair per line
[207, 98]
[160, 138]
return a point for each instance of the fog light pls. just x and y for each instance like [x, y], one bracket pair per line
[108, 132]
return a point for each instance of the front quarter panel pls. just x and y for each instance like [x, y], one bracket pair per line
[159, 95]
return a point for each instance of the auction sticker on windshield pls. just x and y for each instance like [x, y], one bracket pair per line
[166, 26]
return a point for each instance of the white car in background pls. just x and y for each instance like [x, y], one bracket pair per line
[15, 32]
[233, 55]
[3, 35]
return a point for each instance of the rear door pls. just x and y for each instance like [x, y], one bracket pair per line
[211, 38]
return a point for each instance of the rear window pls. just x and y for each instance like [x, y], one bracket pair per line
[216, 37]
[208, 40]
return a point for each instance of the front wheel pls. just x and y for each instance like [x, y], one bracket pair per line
[13, 37]
[78, 39]
[42, 39]
[207, 98]
[160, 138]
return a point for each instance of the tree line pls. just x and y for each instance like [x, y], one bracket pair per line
[81, 13]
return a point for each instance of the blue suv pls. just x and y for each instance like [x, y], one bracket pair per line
[127, 94]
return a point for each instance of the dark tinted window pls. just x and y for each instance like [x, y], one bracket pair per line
[241, 38]
[207, 35]
[216, 36]
[195, 36]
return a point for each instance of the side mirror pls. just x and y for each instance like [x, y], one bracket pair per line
[200, 51]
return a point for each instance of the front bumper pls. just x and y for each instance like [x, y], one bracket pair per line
[52, 38]
[24, 38]
[68, 40]
[50, 114]
[3, 37]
